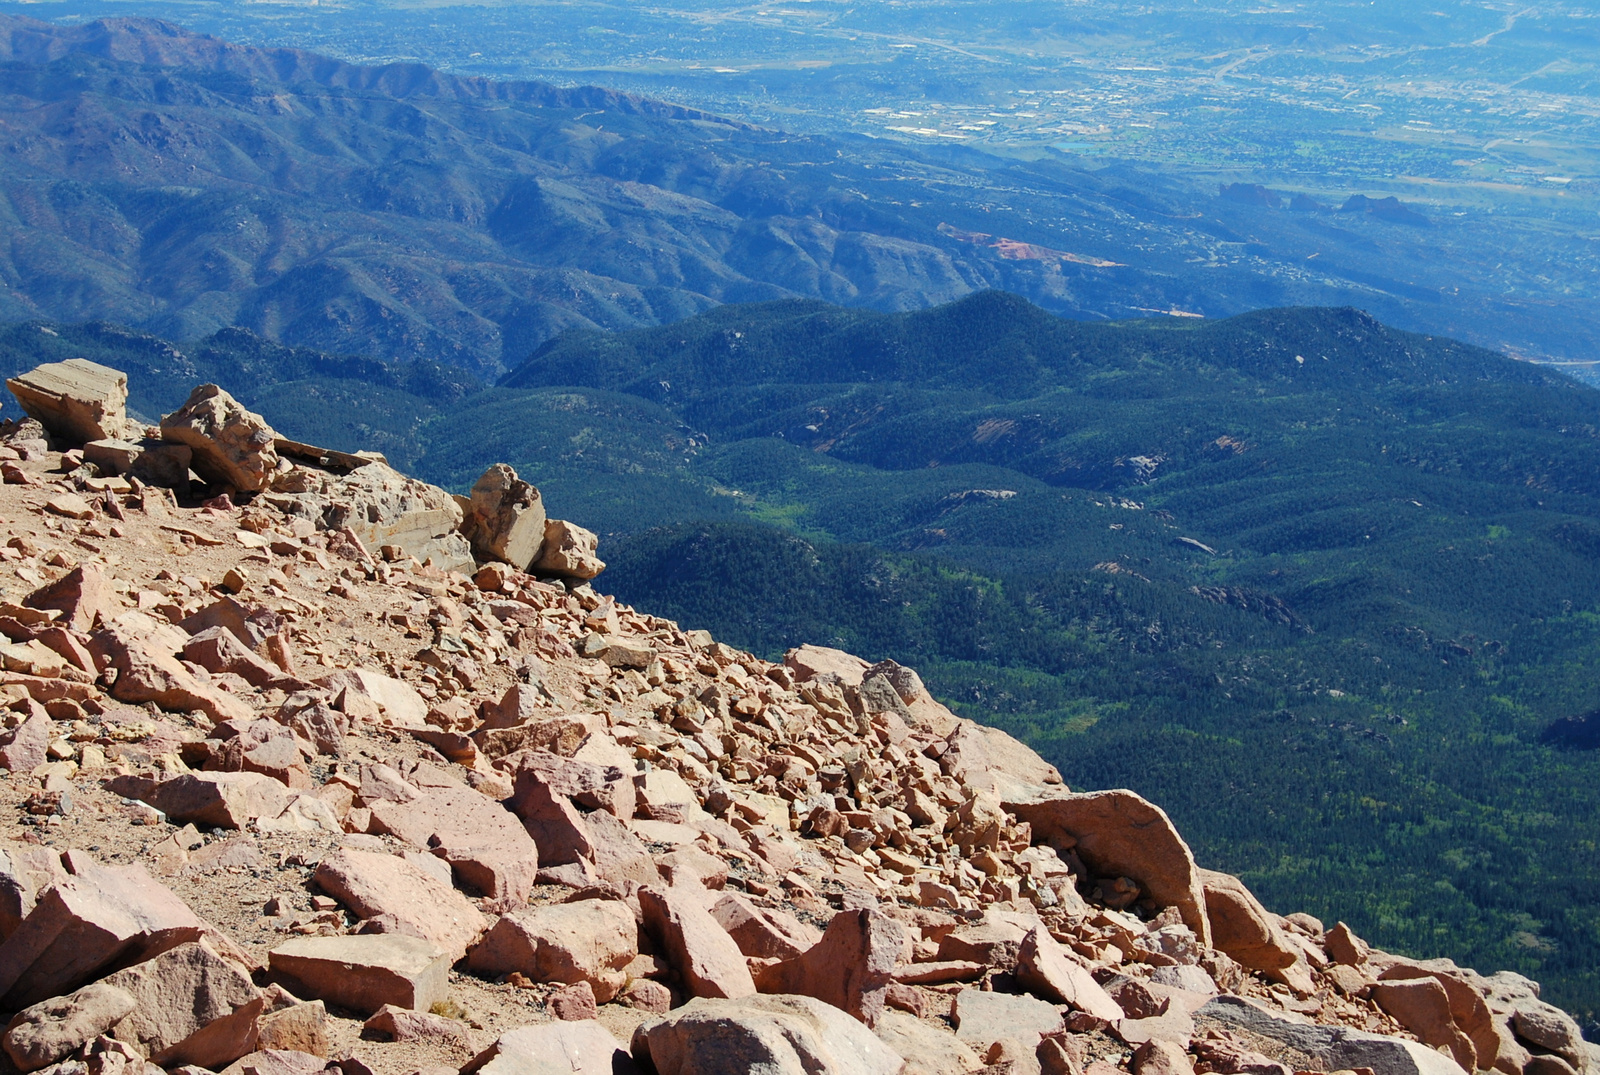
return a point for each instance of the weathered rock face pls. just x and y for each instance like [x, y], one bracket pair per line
[504, 519]
[83, 924]
[49, 1030]
[148, 673]
[76, 400]
[983, 1018]
[1518, 1010]
[191, 1007]
[81, 596]
[223, 800]
[1422, 1006]
[481, 841]
[849, 968]
[1119, 834]
[365, 972]
[1493, 1043]
[153, 462]
[1047, 971]
[927, 1051]
[396, 701]
[589, 941]
[560, 1048]
[233, 447]
[1338, 1047]
[763, 932]
[1249, 933]
[569, 551]
[999, 764]
[382, 507]
[774, 1035]
[710, 964]
[375, 885]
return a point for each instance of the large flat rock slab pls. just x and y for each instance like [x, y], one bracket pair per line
[771, 1034]
[77, 400]
[581, 1047]
[1336, 1047]
[364, 972]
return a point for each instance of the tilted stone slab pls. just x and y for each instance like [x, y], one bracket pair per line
[1337, 1048]
[77, 400]
[373, 884]
[192, 1007]
[83, 925]
[582, 1047]
[1120, 834]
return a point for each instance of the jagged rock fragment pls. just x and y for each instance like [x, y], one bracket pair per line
[44, 1033]
[1120, 834]
[83, 924]
[589, 941]
[983, 1018]
[849, 968]
[80, 596]
[191, 1007]
[701, 951]
[569, 551]
[504, 519]
[1249, 934]
[388, 887]
[1044, 969]
[382, 507]
[232, 446]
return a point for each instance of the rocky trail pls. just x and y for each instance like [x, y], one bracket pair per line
[310, 766]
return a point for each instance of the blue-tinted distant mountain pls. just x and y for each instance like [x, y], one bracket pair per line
[176, 183]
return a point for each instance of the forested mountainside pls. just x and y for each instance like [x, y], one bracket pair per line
[1318, 586]
[180, 184]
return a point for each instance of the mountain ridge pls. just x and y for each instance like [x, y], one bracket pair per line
[414, 214]
[152, 42]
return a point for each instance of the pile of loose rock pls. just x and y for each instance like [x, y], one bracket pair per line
[288, 791]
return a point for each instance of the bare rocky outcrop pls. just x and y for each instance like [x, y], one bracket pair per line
[76, 400]
[232, 446]
[1118, 835]
[569, 551]
[504, 518]
[369, 766]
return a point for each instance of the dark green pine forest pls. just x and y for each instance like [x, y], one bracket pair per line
[1327, 591]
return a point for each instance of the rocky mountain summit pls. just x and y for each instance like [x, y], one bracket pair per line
[311, 766]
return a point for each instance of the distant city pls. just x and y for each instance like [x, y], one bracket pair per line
[1482, 117]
